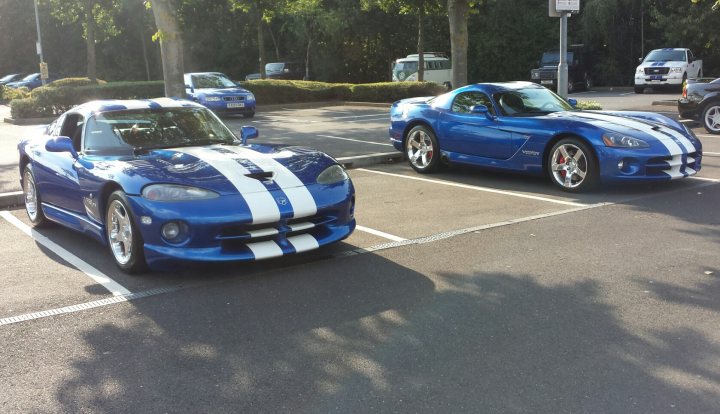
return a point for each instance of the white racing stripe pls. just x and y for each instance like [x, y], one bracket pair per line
[262, 206]
[302, 201]
[303, 243]
[265, 250]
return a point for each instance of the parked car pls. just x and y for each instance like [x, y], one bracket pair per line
[217, 92]
[701, 101]
[30, 81]
[13, 77]
[438, 69]
[281, 70]
[579, 69]
[667, 68]
[164, 180]
[524, 127]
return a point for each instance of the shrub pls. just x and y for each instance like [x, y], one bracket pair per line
[589, 105]
[66, 82]
[9, 94]
[393, 91]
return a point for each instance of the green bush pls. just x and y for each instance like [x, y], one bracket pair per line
[589, 105]
[66, 82]
[8, 94]
[393, 91]
[48, 101]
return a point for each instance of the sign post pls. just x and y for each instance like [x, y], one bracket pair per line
[562, 9]
[38, 45]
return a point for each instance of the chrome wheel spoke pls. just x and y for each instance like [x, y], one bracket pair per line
[563, 152]
[120, 232]
[580, 173]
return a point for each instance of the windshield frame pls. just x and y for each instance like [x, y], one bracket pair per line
[533, 103]
[662, 52]
[198, 80]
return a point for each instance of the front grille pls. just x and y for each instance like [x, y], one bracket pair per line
[233, 98]
[655, 70]
[548, 75]
[237, 236]
[671, 165]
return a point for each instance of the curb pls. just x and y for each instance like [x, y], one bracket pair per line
[16, 199]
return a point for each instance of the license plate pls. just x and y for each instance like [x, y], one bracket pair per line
[546, 82]
[236, 105]
[656, 77]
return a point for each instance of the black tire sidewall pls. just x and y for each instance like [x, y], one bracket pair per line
[434, 163]
[592, 176]
[136, 263]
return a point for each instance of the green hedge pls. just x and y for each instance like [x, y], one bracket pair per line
[75, 82]
[49, 101]
[61, 95]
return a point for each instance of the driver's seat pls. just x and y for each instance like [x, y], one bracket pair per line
[511, 104]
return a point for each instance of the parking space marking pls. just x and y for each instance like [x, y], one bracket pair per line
[712, 180]
[356, 140]
[379, 233]
[711, 154]
[707, 136]
[478, 188]
[362, 116]
[99, 277]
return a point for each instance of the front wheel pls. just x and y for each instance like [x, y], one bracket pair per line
[711, 118]
[249, 115]
[572, 165]
[422, 149]
[124, 240]
[639, 89]
[33, 206]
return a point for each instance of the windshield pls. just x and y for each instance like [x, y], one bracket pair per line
[212, 80]
[7, 78]
[31, 77]
[274, 67]
[530, 101]
[411, 67]
[553, 58]
[665, 55]
[127, 131]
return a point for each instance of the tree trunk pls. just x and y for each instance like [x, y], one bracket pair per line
[144, 52]
[171, 46]
[307, 59]
[457, 15]
[277, 49]
[420, 45]
[261, 44]
[90, 40]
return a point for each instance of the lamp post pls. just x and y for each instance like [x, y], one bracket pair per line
[43, 65]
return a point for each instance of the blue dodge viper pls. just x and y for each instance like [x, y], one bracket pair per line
[164, 180]
[524, 127]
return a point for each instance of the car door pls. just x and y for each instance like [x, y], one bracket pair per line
[464, 132]
[56, 172]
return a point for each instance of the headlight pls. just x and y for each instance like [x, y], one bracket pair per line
[332, 174]
[535, 75]
[412, 78]
[640, 70]
[250, 97]
[623, 141]
[212, 98]
[675, 70]
[172, 192]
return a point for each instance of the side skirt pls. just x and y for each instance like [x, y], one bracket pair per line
[74, 221]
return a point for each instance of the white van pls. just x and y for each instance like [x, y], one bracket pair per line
[437, 69]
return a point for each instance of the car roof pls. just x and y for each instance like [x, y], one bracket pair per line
[112, 105]
[205, 73]
[493, 87]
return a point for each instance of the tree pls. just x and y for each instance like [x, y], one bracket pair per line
[458, 16]
[309, 19]
[171, 46]
[262, 11]
[97, 22]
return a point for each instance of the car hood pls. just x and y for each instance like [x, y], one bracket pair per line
[661, 63]
[225, 169]
[643, 125]
[221, 91]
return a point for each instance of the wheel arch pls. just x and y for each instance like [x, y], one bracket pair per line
[412, 124]
[555, 139]
[24, 161]
[107, 189]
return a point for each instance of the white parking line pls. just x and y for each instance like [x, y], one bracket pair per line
[99, 277]
[708, 136]
[356, 140]
[711, 154]
[380, 233]
[362, 116]
[627, 93]
[478, 188]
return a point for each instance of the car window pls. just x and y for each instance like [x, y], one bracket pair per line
[465, 101]
[72, 127]
[530, 101]
[211, 80]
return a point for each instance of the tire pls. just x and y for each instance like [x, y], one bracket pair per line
[570, 86]
[572, 165]
[250, 115]
[422, 149]
[711, 117]
[124, 240]
[639, 89]
[33, 203]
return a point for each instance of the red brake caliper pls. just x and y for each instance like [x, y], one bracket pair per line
[562, 161]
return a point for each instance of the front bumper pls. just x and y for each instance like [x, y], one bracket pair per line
[222, 229]
[628, 165]
[674, 79]
[230, 107]
[688, 109]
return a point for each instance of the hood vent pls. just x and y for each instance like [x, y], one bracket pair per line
[261, 176]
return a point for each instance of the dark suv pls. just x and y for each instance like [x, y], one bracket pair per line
[579, 69]
[281, 70]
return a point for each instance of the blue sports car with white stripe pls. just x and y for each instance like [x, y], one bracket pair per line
[164, 180]
[524, 127]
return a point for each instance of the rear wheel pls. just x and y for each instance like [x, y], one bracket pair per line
[639, 89]
[572, 165]
[422, 149]
[33, 206]
[124, 240]
[711, 117]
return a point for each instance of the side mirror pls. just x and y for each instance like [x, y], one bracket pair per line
[248, 132]
[61, 144]
[481, 110]
[190, 87]
[572, 102]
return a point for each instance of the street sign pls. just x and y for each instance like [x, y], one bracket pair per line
[567, 6]
[43, 70]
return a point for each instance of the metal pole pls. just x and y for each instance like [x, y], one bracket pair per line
[39, 41]
[562, 77]
[642, 29]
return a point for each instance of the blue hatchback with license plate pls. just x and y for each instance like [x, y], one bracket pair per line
[217, 92]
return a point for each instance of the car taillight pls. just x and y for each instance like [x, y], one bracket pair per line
[684, 95]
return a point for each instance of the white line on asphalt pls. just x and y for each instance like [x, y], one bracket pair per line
[380, 233]
[477, 188]
[356, 140]
[362, 116]
[627, 93]
[99, 277]
[712, 180]
[711, 154]
[708, 136]
[375, 154]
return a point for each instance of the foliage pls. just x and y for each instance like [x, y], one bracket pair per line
[8, 94]
[48, 101]
[589, 105]
[75, 82]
